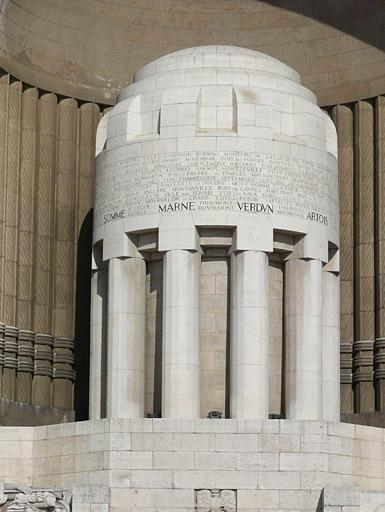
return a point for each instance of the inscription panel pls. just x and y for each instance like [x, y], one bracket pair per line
[211, 181]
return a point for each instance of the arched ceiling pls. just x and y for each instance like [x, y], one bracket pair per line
[90, 49]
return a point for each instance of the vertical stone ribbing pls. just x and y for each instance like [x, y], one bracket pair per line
[364, 251]
[25, 255]
[25, 366]
[343, 118]
[2, 343]
[379, 253]
[65, 201]
[12, 203]
[88, 120]
[44, 215]
[63, 373]
[10, 363]
[4, 96]
[41, 389]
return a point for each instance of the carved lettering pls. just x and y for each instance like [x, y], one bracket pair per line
[255, 207]
[317, 217]
[216, 181]
[176, 207]
[108, 217]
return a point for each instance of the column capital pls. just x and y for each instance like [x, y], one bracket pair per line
[313, 246]
[178, 231]
[254, 232]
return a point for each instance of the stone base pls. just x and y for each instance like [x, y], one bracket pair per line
[161, 465]
[23, 414]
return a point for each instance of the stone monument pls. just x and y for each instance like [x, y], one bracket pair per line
[215, 291]
[216, 147]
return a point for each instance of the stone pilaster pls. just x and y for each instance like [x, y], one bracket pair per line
[379, 373]
[10, 362]
[63, 373]
[41, 389]
[25, 366]
[346, 387]
[2, 343]
[363, 376]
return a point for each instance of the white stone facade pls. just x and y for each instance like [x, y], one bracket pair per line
[149, 465]
[218, 151]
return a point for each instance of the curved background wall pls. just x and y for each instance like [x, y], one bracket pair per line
[90, 49]
[54, 51]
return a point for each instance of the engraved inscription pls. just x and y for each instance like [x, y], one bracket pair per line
[252, 183]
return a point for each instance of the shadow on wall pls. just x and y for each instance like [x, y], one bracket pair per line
[361, 19]
[82, 318]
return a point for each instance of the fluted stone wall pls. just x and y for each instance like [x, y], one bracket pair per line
[46, 187]
[360, 128]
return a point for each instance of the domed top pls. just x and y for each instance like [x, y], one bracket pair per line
[217, 56]
[91, 49]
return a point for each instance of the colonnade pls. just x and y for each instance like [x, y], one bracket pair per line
[311, 337]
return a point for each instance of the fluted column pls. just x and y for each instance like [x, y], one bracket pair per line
[330, 346]
[363, 376]
[25, 366]
[2, 343]
[249, 389]
[180, 364]
[346, 396]
[42, 380]
[98, 353]
[63, 373]
[303, 335]
[126, 332]
[379, 373]
[10, 362]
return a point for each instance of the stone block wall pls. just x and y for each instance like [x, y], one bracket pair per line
[157, 464]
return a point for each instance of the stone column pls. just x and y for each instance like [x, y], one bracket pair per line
[10, 362]
[63, 373]
[126, 334]
[98, 346]
[181, 354]
[25, 366]
[303, 336]
[41, 386]
[330, 346]
[249, 388]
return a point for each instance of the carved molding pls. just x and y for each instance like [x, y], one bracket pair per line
[14, 498]
[215, 500]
